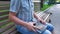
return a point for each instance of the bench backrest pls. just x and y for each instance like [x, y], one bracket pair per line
[6, 27]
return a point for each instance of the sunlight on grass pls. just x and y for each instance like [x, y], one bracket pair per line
[45, 6]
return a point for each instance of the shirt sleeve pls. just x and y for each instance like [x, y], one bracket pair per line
[14, 6]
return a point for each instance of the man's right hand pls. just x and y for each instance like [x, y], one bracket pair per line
[30, 26]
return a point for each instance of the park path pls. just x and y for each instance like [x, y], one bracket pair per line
[55, 17]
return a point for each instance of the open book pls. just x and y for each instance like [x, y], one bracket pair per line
[41, 27]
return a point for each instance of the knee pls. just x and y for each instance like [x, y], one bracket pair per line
[47, 32]
[50, 27]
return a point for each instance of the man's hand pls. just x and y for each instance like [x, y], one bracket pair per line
[31, 27]
[41, 20]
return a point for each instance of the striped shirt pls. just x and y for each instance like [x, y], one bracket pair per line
[24, 10]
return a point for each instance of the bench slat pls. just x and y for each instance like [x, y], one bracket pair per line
[9, 31]
[39, 13]
[3, 7]
[4, 22]
[2, 13]
[14, 32]
[6, 27]
[47, 17]
[3, 17]
[43, 17]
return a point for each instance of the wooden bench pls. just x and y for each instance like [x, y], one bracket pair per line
[4, 7]
[6, 27]
[45, 16]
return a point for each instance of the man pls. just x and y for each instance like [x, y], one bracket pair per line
[22, 14]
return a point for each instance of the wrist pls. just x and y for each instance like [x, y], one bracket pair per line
[25, 24]
[39, 19]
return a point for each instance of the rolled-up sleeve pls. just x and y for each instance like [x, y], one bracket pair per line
[14, 6]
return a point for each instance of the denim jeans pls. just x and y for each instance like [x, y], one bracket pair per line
[48, 30]
[45, 32]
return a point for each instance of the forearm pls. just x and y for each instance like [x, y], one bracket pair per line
[37, 17]
[17, 20]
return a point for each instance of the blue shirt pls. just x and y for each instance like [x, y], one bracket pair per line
[24, 10]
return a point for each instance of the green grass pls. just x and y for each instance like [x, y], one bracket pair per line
[45, 6]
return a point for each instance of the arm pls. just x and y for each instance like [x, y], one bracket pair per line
[13, 18]
[39, 19]
[13, 10]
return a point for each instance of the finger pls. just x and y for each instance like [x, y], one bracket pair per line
[36, 27]
[34, 30]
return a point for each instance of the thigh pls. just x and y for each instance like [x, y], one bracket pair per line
[46, 32]
[18, 32]
[50, 27]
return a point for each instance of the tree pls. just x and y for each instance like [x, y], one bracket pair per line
[42, 1]
[51, 2]
[54, 2]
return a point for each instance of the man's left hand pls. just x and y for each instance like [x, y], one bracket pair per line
[41, 20]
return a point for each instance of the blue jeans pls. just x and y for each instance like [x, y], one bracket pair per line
[45, 32]
[50, 27]
[48, 30]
